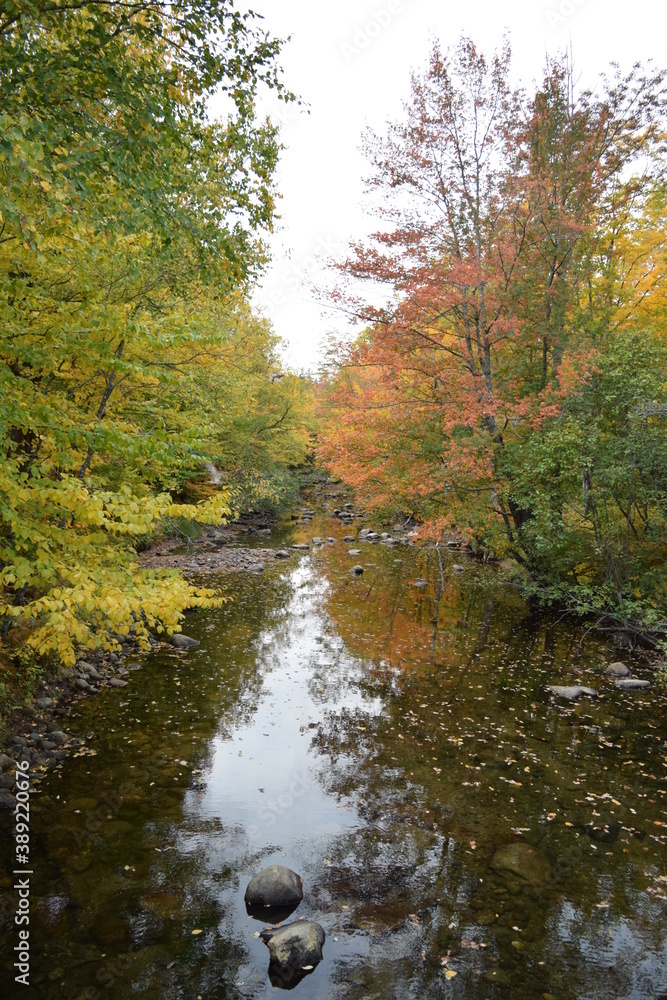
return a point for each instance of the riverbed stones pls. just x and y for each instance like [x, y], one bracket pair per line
[357, 571]
[349, 538]
[420, 584]
[180, 641]
[571, 692]
[522, 860]
[295, 950]
[354, 552]
[632, 684]
[6, 763]
[301, 547]
[274, 887]
[617, 670]
[282, 554]
[456, 568]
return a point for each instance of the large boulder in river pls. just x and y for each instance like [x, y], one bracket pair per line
[180, 641]
[295, 951]
[276, 891]
[617, 670]
[522, 860]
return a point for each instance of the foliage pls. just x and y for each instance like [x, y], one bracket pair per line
[512, 387]
[130, 363]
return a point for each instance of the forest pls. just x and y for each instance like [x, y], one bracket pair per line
[132, 367]
[509, 386]
[505, 381]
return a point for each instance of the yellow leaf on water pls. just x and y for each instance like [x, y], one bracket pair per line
[450, 974]
[198, 931]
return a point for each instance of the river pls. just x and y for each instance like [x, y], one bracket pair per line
[459, 832]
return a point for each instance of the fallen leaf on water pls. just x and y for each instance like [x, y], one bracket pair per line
[198, 931]
[306, 968]
[450, 974]
[171, 965]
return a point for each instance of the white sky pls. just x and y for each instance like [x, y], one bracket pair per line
[350, 61]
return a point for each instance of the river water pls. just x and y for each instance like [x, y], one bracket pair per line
[459, 833]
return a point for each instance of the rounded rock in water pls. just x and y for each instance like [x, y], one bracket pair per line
[295, 951]
[274, 887]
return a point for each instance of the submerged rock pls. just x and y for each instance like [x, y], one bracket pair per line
[458, 569]
[522, 860]
[572, 693]
[617, 670]
[180, 641]
[633, 684]
[420, 584]
[302, 547]
[295, 951]
[357, 571]
[282, 554]
[354, 552]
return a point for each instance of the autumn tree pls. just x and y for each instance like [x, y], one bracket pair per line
[131, 228]
[501, 263]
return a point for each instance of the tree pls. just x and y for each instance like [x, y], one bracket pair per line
[509, 218]
[131, 227]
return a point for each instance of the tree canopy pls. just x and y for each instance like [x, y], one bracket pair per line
[131, 229]
[511, 389]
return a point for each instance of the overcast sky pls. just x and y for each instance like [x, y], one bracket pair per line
[350, 61]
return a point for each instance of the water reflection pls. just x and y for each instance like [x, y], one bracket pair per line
[394, 745]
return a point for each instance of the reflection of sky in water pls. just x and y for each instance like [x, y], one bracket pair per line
[610, 950]
[387, 787]
[302, 664]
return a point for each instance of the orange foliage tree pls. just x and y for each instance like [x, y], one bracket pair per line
[507, 262]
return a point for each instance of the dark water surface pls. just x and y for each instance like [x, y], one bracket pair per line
[387, 743]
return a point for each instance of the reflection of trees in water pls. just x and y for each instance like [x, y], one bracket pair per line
[124, 847]
[464, 750]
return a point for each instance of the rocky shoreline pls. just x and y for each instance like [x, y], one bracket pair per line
[37, 731]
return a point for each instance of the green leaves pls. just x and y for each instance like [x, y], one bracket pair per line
[130, 227]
